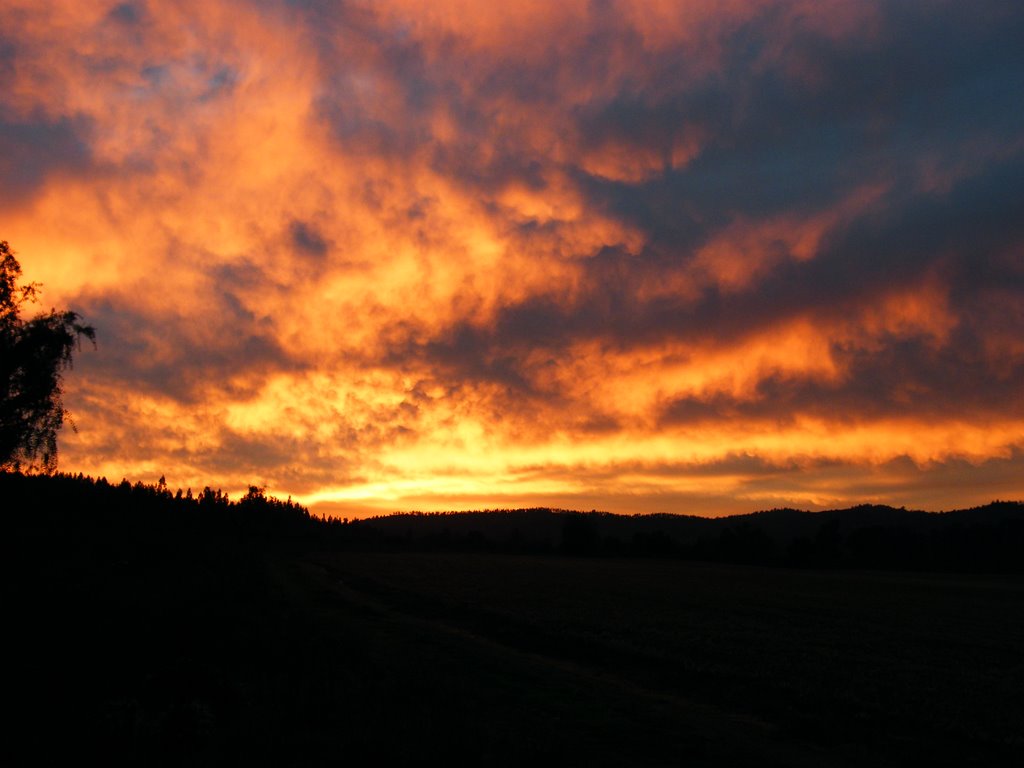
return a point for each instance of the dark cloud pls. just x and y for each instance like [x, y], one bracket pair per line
[791, 131]
[220, 84]
[126, 13]
[960, 237]
[8, 52]
[307, 239]
[904, 379]
[37, 147]
[289, 461]
[791, 120]
[468, 354]
[223, 348]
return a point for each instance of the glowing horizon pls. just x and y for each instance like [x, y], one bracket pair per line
[684, 257]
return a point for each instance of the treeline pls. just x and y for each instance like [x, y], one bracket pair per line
[988, 539]
[65, 507]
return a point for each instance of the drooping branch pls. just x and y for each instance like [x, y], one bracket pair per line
[34, 354]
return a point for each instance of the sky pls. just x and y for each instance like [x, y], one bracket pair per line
[696, 257]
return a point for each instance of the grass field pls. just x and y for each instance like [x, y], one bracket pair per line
[201, 654]
[768, 664]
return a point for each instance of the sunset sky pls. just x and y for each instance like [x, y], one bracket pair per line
[692, 256]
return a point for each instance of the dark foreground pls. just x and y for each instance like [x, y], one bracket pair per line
[205, 655]
[149, 628]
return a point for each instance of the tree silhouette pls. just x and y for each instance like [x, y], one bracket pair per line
[33, 356]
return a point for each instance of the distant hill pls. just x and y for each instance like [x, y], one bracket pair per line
[981, 539]
[987, 539]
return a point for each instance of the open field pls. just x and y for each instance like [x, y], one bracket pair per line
[843, 667]
[204, 652]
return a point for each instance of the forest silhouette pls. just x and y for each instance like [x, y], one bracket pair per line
[987, 539]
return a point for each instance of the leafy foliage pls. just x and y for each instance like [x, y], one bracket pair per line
[34, 353]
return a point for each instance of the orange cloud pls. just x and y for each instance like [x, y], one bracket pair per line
[639, 256]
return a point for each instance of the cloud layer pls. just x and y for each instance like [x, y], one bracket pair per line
[640, 256]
